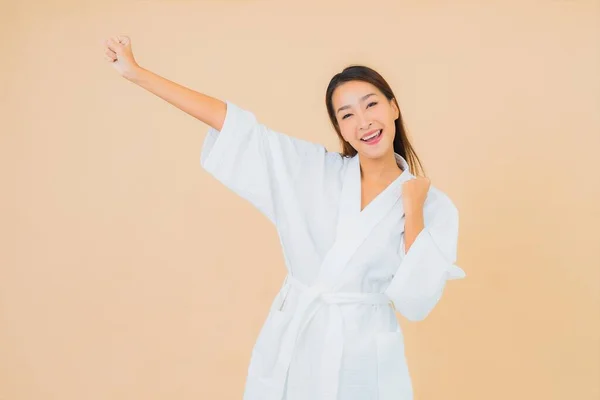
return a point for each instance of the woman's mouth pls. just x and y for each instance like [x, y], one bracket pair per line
[374, 138]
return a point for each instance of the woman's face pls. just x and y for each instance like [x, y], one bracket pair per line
[364, 112]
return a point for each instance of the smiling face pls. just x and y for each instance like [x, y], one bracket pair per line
[366, 118]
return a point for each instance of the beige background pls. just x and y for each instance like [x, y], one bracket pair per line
[127, 272]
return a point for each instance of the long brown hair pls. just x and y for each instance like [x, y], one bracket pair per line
[361, 73]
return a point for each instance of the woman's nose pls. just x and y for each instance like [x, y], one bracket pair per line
[364, 125]
[362, 119]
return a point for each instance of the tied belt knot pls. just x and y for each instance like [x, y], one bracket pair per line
[311, 299]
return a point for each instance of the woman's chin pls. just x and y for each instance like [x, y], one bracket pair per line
[377, 150]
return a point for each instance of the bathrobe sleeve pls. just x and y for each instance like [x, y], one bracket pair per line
[420, 279]
[255, 162]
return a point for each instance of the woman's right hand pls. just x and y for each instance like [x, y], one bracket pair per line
[117, 50]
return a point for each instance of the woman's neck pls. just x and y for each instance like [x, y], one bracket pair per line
[379, 170]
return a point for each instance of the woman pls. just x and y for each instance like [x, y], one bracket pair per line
[361, 235]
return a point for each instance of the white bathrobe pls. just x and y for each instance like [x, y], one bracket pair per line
[332, 333]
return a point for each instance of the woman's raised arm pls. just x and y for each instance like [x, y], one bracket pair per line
[207, 109]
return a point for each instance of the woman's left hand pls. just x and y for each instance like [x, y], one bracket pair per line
[414, 193]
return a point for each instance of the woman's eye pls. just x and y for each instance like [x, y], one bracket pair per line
[370, 104]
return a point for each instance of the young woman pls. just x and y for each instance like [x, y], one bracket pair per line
[361, 235]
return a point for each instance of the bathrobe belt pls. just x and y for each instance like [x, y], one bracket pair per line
[310, 301]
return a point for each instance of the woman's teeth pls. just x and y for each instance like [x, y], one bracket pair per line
[373, 136]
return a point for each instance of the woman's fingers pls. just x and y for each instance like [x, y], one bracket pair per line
[124, 40]
[117, 50]
[111, 54]
[113, 45]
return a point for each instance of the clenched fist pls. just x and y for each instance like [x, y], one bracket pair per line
[117, 50]
[414, 193]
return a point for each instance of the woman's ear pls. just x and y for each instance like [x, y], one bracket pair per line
[395, 109]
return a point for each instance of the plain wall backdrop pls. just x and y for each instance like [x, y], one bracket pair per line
[128, 272]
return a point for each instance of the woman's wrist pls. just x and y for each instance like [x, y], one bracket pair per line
[413, 211]
[135, 74]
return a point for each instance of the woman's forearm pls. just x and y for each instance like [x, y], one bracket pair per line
[413, 225]
[207, 109]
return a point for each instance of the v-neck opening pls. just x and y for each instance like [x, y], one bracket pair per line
[355, 225]
[351, 215]
[382, 193]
